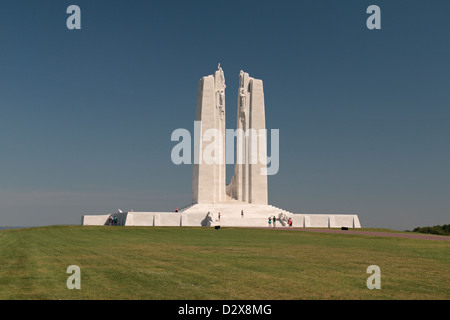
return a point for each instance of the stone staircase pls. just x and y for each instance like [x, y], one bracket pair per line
[230, 213]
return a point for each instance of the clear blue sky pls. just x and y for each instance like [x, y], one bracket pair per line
[87, 115]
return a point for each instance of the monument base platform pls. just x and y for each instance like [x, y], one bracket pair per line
[230, 216]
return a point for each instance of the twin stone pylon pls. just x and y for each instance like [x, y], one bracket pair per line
[215, 201]
[249, 183]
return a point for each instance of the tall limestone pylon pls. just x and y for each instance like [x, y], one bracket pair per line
[208, 183]
[249, 184]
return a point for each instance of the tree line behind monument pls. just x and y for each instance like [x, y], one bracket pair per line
[443, 230]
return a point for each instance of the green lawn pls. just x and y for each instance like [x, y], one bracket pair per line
[230, 263]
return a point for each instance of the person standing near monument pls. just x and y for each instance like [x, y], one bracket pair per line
[242, 213]
[274, 219]
[219, 216]
[270, 221]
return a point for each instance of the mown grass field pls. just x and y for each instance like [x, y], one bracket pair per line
[230, 263]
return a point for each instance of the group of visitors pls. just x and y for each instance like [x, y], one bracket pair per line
[112, 220]
[272, 221]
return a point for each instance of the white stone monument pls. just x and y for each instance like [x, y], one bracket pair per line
[244, 201]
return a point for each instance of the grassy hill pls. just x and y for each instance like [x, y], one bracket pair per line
[204, 263]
